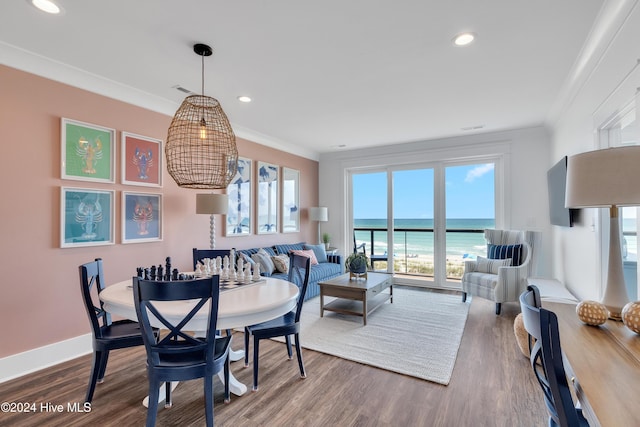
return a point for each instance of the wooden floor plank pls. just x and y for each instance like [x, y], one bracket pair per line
[492, 385]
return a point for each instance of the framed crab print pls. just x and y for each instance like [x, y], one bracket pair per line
[86, 217]
[141, 160]
[87, 152]
[239, 192]
[141, 217]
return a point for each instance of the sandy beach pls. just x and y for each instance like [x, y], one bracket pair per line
[423, 264]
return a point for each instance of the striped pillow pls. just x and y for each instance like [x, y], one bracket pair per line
[491, 266]
[506, 251]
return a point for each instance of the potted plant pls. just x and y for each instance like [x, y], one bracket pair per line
[326, 239]
[357, 263]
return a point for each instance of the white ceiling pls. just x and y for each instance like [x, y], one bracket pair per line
[322, 74]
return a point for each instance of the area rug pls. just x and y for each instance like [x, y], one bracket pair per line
[418, 335]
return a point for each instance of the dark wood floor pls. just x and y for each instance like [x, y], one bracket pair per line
[492, 385]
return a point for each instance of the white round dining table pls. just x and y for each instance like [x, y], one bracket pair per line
[238, 307]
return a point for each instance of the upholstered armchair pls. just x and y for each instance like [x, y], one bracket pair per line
[502, 276]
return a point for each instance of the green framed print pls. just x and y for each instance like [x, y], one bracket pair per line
[87, 152]
[86, 217]
[141, 160]
[141, 217]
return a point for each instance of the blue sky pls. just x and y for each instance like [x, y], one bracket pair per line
[469, 193]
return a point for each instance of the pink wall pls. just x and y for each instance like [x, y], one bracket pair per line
[41, 301]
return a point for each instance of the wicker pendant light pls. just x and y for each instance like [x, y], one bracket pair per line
[201, 149]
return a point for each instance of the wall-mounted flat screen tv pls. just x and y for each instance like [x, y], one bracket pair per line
[557, 185]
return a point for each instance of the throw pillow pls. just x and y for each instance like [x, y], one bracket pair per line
[491, 266]
[281, 262]
[308, 253]
[247, 258]
[319, 251]
[266, 265]
[505, 251]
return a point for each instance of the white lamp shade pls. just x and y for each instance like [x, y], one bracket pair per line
[604, 178]
[319, 214]
[212, 203]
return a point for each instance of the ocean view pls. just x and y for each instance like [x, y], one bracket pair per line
[458, 244]
[420, 243]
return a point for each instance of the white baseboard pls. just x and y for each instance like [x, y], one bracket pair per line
[20, 364]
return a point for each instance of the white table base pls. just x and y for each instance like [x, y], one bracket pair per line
[235, 386]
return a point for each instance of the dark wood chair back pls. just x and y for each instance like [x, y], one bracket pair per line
[566, 413]
[177, 354]
[299, 268]
[200, 254]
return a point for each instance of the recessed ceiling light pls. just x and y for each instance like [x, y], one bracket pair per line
[244, 99]
[463, 39]
[46, 6]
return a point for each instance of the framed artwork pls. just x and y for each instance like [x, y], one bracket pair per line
[86, 217]
[267, 198]
[290, 200]
[87, 152]
[141, 160]
[141, 217]
[239, 193]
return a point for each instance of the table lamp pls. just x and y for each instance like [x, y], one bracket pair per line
[607, 178]
[212, 204]
[320, 214]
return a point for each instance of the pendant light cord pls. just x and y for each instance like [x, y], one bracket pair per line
[203, 123]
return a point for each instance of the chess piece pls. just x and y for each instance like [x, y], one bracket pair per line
[240, 266]
[146, 274]
[198, 271]
[139, 272]
[175, 274]
[247, 273]
[167, 267]
[256, 271]
[160, 272]
[152, 275]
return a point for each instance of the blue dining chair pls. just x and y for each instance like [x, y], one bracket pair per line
[107, 334]
[546, 361]
[287, 325]
[178, 355]
[566, 412]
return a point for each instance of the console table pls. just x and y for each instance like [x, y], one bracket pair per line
[604, 365]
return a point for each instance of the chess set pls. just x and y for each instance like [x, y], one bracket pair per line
[233, 284]
[162, 273]
[229, 279]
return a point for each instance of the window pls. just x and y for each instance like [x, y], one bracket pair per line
[432, 216]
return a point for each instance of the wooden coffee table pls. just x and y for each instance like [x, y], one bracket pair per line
[357, 297]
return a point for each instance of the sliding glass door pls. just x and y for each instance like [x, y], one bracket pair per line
[470, 208]
[370, 214]
[433, 217]
[413, 214]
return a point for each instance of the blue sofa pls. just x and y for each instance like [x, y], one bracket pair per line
[322, 271]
